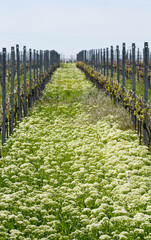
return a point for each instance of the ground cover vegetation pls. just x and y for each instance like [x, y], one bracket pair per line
[135, 103]
[73, 169]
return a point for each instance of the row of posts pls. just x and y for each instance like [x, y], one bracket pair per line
[103, 59]
[99, 60]
[39, 64]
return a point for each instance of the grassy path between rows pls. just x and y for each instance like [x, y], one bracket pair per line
[73, 170]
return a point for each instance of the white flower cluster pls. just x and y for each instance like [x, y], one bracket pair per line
[64, 177]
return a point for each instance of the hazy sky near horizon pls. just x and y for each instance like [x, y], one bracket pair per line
[70, 26]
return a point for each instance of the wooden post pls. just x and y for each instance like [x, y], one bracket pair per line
[111, 61]
[107, 60]
[4, 98]
[123, 66]
[130, 57]
[24, 65]
[40, 70]
[12, 87]
[138, 65]
[1, 68]
[34, 75]
[30, 77]
[96, 60]
[146, 65]
[37, 58]
[104, 60]
[18, 82]
[101, 61]
[118, 70]
[133, 81]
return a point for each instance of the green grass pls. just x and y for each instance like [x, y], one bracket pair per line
[71, 170]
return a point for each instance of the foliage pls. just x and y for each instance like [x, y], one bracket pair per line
[63, 176]
[134, 103]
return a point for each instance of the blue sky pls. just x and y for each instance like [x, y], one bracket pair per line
[70, 26]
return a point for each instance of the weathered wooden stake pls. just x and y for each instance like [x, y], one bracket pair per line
[138, 65]
[34, 75]
[104, 60]
[30, 77]
[107, 60]
[24, 65]
[4, 98]
[18, 83]
[146, 65]
[12, 87]
[111, 61]
[118, 70]
[133, 81]
[123, 66]
[101, 61]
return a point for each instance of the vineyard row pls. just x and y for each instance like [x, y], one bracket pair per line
[23, 76]
[107, 74]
